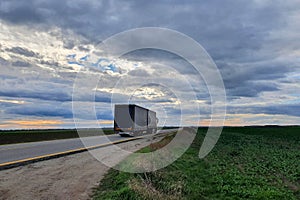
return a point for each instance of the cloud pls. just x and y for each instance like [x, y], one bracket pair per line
[285, 109]
[251, 89]
[106, 122]
[22, 51]
[104, 115]
[138, 72]
[12, 101]
[19, 12]
[42, 95]
[41, 110]
[21, 64]
[34, 122]
[255, 45]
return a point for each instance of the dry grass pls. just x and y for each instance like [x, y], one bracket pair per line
[145, 188]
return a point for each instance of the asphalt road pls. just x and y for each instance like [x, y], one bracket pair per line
[16, 152]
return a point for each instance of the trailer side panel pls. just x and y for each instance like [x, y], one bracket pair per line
[140, 119]
[152, 121]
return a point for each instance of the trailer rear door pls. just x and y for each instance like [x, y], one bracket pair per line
[123, 116]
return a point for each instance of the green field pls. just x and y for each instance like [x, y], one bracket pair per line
[35, 135]
[20, 136]
[246, 163]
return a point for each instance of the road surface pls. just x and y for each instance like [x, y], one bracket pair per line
[14, 153]
[67, 177]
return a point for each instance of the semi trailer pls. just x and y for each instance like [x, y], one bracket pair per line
[133, 120]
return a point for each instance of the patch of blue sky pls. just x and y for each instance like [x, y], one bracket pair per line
[75, 63]
[112, 67]
[105, 68]
[294, 75]
[104, 64]
[295, 100]
[98, 63]
[295, 95]
[84, 58]
[297, 76]
[71, 56]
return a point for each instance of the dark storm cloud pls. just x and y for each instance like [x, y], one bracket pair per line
[104, 97]
[3, 62]
[20, 12]
[172, 111]
[282, 109]
[22, 51]
[251, 79]
[232, 30]
[236, 74]
[139, 72]
[157, 57]
[251, 89]
[69, 44]
[55, 109]
[56, 95]
[51, 63]
[21, 64]
[42, 95]
[287, 109]
[45, 111]
[237, 35]
[81, 48]
[104, 115]
[231, 22]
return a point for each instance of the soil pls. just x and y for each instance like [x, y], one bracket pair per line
[69, 177]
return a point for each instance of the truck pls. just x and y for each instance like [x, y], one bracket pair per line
[133, 120]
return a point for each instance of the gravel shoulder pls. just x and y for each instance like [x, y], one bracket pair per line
[69, 177]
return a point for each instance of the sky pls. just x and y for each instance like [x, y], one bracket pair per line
[44, 45]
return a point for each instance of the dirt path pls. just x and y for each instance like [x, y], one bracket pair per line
[69, 177]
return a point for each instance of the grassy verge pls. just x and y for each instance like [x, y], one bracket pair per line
[246, 163]
[20, 136]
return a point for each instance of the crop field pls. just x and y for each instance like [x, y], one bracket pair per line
[35, 135]
[246, 163]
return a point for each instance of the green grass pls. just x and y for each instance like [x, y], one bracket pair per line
[246, 163]
[20, 136]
